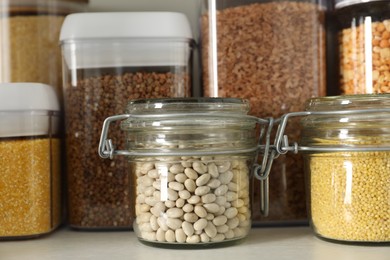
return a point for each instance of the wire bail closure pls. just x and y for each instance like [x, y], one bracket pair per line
[270, 152]
[261, 172]
[106, 147]
[282, 145]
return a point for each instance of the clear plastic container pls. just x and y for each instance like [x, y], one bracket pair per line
[30, 160]
[348, 176]
[29, 32]
[363, 46]
[192, 161]
[109, 58]
[273, 54]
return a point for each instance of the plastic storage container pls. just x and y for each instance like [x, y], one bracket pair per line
[109, 58]
[346, 146]
[364, 46]
[30, 160]
[273, 54]
[192, 160]
[29, 29]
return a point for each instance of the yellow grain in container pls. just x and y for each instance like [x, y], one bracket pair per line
[348, 167]
[29, 160]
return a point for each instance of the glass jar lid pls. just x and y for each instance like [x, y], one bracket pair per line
[354, 121]
[190, 105]
[348, 102]
[192, 124]
[188, 112]
[192, 127]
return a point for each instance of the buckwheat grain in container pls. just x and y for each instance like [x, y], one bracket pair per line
[364, 46]
[271, 53]
[346, 146]
[30, 203]
[192, 161]
[109, 58]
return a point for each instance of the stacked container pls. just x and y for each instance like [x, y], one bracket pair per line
[29, 29]
[273, 54]
[30, 160]
[109, 58]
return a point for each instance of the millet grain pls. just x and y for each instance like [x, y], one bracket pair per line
[350, 199]
[29, 187]
[32, 50]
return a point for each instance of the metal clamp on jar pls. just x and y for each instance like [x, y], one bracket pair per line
[192, 160]
[346, 147]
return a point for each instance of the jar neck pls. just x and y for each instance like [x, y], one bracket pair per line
[191, 124]
[356, 120]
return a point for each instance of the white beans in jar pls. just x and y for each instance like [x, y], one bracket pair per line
[192, 199]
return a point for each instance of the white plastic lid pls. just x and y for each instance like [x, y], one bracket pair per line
[344, 3]
[114, 25]
[25, 109]
[27, 97]
[126, 39]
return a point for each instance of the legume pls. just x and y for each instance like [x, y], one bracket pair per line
[204, 214]
[354, 59]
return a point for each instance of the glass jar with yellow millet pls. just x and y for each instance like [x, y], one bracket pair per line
[346, 148]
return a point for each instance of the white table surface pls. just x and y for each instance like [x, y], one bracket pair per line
[261, 244]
